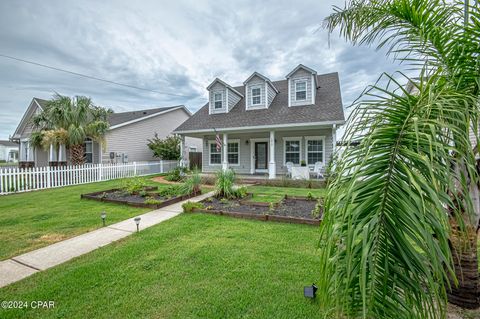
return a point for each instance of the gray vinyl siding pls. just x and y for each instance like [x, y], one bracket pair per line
[301, 75]
[255, 82]
[233, 99]
[271, 94]
[28, 128]
[217, 88]
[246, 155]
[132, 139]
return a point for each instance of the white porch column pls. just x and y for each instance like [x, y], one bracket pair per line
[61, 153]
[182, 151]
[225, 152]
[30, 150]
[272, 169]
[51, 157]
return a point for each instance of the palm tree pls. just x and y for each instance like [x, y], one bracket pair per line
[402, 211]
[70, 122]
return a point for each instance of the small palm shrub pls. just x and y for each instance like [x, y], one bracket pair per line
[191, 184]
[224, 185]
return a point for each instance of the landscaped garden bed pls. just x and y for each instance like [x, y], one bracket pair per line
[136, 193]
[231, 200]
[300, 210]
[146, 198]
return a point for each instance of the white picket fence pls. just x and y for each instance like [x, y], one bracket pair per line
[13, 180]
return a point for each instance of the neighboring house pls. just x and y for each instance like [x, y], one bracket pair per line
[265, 124]
[8, 151]
[125, 141]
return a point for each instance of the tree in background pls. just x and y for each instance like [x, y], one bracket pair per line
[70, 121]
[402, 211]
[165, 149]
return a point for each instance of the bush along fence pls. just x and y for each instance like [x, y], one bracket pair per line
[14, 180]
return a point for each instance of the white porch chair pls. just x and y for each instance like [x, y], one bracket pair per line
[317, 169]
[289, 166]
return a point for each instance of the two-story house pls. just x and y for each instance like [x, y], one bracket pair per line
[265, 124]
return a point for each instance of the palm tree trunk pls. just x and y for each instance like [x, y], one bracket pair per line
[77, 154]
[463, 245]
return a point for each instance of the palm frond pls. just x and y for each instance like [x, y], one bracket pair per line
[384, 236]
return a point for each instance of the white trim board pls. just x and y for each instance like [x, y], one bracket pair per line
[246, 128]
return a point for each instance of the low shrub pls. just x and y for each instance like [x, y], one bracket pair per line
[240, 192]
[310, 196]
[152, 201]
[134, 185]
[318, 210]
[169, 191]
[188, 207]
[177, 174]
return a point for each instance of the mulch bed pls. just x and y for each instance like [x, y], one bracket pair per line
[289, 209]
[121, 197]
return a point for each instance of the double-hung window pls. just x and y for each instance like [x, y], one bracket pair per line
[215, 156]
[256, 96]
[218, 100]
[314, 150]
[233, 153]
[300, 90]
[292, 151]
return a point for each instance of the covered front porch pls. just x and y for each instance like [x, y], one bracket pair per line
[264, 153]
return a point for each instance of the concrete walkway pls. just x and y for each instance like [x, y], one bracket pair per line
[19, 267]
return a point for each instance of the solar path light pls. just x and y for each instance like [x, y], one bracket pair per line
[137, 221]
[103, 215]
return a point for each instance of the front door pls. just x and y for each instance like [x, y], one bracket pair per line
[261, 155]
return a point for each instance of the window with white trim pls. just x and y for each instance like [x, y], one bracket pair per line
[218, 100]
[292, 151]
[314, 150]
[233, 153]
[88, 151]
[256, 93]
[215, 156]
[300, 90]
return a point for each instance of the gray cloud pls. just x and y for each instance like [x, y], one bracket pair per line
[177, 47]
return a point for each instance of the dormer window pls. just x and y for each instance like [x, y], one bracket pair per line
[256, 96]
[301, 90]
[218, 100]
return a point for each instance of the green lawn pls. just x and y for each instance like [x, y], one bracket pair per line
[36, 219]
[192, 266]
[274, 194]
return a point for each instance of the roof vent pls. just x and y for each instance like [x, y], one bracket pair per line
[144, 112]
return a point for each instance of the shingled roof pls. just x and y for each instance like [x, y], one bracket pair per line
[123, 117]
[327, 108]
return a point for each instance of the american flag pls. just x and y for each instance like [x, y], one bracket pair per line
[218, 141]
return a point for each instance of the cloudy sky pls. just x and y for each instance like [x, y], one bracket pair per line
[169, 46]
